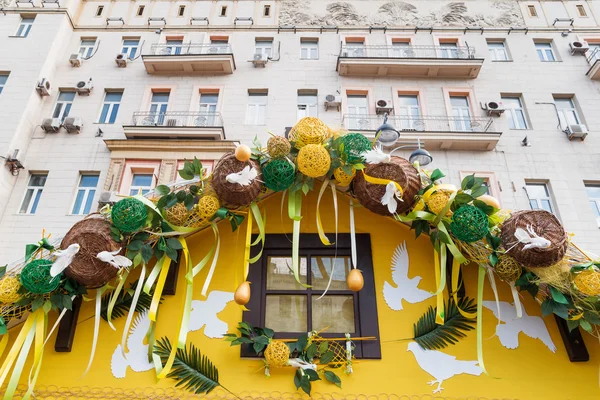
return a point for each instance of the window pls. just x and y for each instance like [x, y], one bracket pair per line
[174, 47]
[99, 11]
[267, 11]
[257, 109]
[264, 47]
[141, 182]
[158, 108]
[130, 47]
[3, 79]
[140, 11]
[309, 49]
[280, 303]
[86, 48]
[25, 27]
[220, 45]
[402, 50]
[449, 50]
[33, 193]
[208, 109]
[181, 11]
[532, 11]
[409, 111]
[539, 196]
[545, 51]
[223, 11]
[515, 112]
[581, 10]
[567, 112]
[461, 113]
[63, 105]
[110, 108]
[358, 110]
[593, 54]
[497, 51]
[86, 191]
[307, 105]
[490, 182]
[593, 194]
[355, 47]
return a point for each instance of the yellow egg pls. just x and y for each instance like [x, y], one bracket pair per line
[243, 153]
[355, 280]
[242, 294]
[448, 187]
[489, 200]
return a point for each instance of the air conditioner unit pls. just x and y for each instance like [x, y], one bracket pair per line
[384, 106]
[493, 108]
[332, 100]
[576, 131]
[51, 125]
[579, 47]
[84, 88]
[107, 198]
[43, 87]
[214, 50]
[260, 60]
[73, 124]
[75, 60]
[121, 60]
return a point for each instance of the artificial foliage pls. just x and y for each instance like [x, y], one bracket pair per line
[353, 146]
[279, 174]
[35, 277]
[469, 224]
[129, 215]
[124, 302]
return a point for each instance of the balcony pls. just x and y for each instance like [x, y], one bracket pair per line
[593, 58]
[437, 133]
[409, 61]
[175, 125]
[189, 59]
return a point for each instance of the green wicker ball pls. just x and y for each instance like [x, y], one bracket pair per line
[129, 215]
[35, 277]
[279, 174]
[469, 224]
[354, 145]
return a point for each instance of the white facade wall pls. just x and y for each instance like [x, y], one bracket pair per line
[551, 158]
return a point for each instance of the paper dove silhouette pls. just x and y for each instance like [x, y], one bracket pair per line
[114, 259]
[205, 313]
[63, 259]
[441, 366]
[508, 333]
[532, 239]
[137, 357]
[404, 288]
[376, 156]
[391, 197]
[244, 177]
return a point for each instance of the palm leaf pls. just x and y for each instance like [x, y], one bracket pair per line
[192, 370]
[431, 336]
[123, 303]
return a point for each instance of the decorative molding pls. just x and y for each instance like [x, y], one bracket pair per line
[168, 169]
[113, 176]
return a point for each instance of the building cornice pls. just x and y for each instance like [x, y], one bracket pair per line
[132, 145]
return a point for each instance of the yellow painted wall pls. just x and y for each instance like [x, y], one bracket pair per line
[529, 372]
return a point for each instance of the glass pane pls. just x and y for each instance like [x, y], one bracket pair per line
[88, 42]
[280, 275]
[257, 98]
[3, 79]
[521, 124]
[36, 201]
[320, 268]
[209, 98]
[336, 313]
[511, 102]
[78, 201]
[357, 100]
[88, 202]
[37, 180]
[57, 110]
[113, 114]
[174, 41]
[131, 42]
[66, 96]
[160, 97]
[104, 113]
[141, 180]
[304, 52]
[26, 201]
[533, 204]
[113, 96]
[595, 208]
[408, 99]
[286, 313]
[546, 205]
[89, 181]
[309, 99]
[459, 101]
[593, 192]
[537, 190]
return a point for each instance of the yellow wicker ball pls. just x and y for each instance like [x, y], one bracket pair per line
[196, 218]
[438, 201]
[588, 282]
[9, 286]
[278, 146]
[277, 354]
[343, 178]
[177, 215]
[313, 160]
[508, 269]
[309, 130]
[208, 205]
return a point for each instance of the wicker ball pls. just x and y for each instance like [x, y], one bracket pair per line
[278, 147]
[93, 235]
[398, 170]
[545, 225]
[354, 145]
[438, 201]
[508, 269]
[277, 354]
[196, 218]
[313, 160]
[129, 215]
[35, 277]
[208, 206]
[343, 178]
[9, 287]
[177, 215]
[588, 282]
[279, 174]
[234, 195]
[469, 224]
[309, 130]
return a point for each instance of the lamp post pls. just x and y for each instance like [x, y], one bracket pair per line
[387, 135]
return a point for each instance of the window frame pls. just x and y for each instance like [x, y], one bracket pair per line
[495, 51]
[309, 107]
[538, 200]
[512, 113]
[3, 84]
[563, 113]
[365, 305]
[309, 44]
[132, 167]
[223, 12]
[581, 12]
[25, 27]
[181, 11]
[66, 106]
[111, 108]
[86, 194]
[35, 198]
[87, 50]
[267, 11]
[591, 199]
[140, 10]
[137, 188]
[256, 121]
[129, 49]
[99, 10]
[264, 46]
[542, 53]
[532, 11]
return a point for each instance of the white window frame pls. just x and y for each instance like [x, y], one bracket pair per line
[595, 200]
[181, 11]
[538, 200]
[87, 192]
[532, 10]
[25, 26]
[86, 50]
[264, 47]
[65, 106]
[140, 10]
[134, 190]
[129, 49]
[310, 109]
[254, 116]
[99, 11]
[543, 52]
[3, 84]
[462, 113]
[564, 113]
[308, 46]
[512, 112]
[356, 111]
[36, 197]
[111, 106]
[496, 53]
[223, 12]
[411, 113]
[448, 49]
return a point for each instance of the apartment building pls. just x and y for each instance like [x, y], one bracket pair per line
[100, 98]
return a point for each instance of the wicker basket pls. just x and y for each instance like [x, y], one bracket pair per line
[545, 225]
[234, 194]
[398, 170]
[93, 235]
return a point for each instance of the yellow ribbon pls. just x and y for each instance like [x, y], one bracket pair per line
[16, 347]
[16, 374]
[113, 300]
[247, 247]
[3, 343]
[320, 230]
[216, 248]
[381, 181]
[160, 284]
[209, 255]
[440, 281]
[40, 333]
[134, 300]
[480, 282]
[295, 211]
[455, 276]
[96, 328]
[260, 223]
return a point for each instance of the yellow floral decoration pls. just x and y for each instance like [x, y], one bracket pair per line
[313, 160]
[343, 178]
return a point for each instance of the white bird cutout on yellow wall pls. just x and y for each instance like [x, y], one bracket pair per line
[114, 259]
[244, 177]
[64, 258]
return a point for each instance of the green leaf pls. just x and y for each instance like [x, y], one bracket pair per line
[37, 303]
[297, 379]
[47, 306]
[305, 384]
[146, 253]
[67, 302]
[487, 209]
[174, 244]
[135, 245]
[444, 238]
[493, 259]
[591, 317]
[468, 182]
[172, 200]
[189, 201]
[462, 198]
[561, 310]
[480, 191]
[547, 307]
[312, 375]
[162, 190]
[311, 351]
[301, 343]
[333, 378]
[327, 357]
[436, 175]
[558, 296]
[137, 260]
[585, 325]
[162, 202]
[172, 254]
[323, 347]
[181, 196]
[258, 347]
[268, 332]
[3, 270]
[305, 189]
[194, 190]
[262, 340]
[572, 324]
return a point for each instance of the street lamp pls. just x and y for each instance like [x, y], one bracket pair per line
[386, 133]
[419, 155]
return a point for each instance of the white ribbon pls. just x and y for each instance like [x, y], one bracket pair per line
[515, 295]
[134, 301]
[352, 234]
[96, 330]
[211, 271]
[335, 213]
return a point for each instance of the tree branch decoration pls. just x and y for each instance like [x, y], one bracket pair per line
[123, 303]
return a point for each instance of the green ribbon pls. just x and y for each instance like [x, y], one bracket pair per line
[480, 282]
[295, 211]
[31, 249]
[260, 222]
[3, 329]
[236, 220]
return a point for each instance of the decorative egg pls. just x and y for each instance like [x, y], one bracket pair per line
[355, 280]
[242, 294]
[490, 200]
[447, 187]
[243, 153]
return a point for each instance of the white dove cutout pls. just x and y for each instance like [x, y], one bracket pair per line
[204, 313]
[244, 177]
[441, 366]
[391, 195]
[63, 259]
[508, 332]
[137, 357]
[404, 288]
[114, 259]
[531, 238]
[376, 156]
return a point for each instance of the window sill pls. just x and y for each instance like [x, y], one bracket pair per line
[18, 37]
[519, 129]
[24, 215]
[556, 61]
[502, 61]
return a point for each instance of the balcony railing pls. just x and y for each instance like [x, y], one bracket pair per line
[183, 119]
[419, 124]
[189, 49]
[408, 52]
